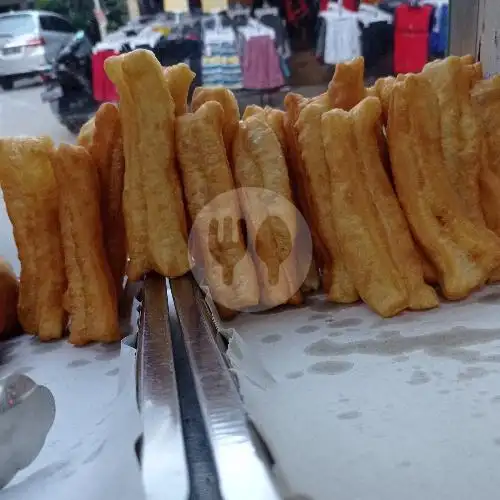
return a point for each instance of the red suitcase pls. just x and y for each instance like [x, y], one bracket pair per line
[411, 44]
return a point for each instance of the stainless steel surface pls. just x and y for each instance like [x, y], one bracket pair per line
[164, 467]
[242, 474]
[464, 26]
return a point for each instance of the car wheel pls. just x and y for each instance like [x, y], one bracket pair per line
[7, 83]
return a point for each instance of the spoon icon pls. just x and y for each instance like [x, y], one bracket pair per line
[273, 245]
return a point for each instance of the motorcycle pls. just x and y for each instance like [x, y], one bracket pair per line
[68, 84]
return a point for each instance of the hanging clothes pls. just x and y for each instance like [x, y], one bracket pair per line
[320, 40]
[275, 22]
[377, 33]
[261, 64]
[221, 63]
[438, 38]
[342, 36]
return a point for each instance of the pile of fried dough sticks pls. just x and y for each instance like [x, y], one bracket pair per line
[398, 184]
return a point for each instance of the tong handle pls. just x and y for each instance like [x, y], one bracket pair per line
[163, 456]
[241, 472]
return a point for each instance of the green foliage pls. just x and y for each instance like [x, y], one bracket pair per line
[81, 12]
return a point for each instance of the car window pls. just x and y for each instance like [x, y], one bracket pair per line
[17, 24]
[61, 25]
[47, 23]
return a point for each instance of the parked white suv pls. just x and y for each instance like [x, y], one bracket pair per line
[29, 40]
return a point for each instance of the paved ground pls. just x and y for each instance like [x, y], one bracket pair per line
[23, 113]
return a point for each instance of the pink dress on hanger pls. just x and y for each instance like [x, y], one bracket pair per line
[261, 64]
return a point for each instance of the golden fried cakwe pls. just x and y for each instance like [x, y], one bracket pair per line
[214, 209]
[293, 103]
[337, 283]
[356, 223]
[86, 133]
[464, 253]
[253, 110]
[91, 297]
[31, 197]
[153, 207]
[229, 104]
[347, 87]
[393, 225]
[9, 293]
[106, 151]
[275, 118]
[475, 69]
[382, 89]
[486, 101]
[179, 79]
[259, 164]
[461, 136]
[344, 91]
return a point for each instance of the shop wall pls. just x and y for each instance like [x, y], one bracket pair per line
[464, 16]
[489, 35]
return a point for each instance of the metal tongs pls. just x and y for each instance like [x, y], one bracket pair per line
[197, 442]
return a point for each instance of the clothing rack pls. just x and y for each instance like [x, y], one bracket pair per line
[221, 65]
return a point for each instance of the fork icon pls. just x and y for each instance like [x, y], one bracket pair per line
[226, 248]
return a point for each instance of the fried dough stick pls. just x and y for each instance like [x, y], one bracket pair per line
[303, 201]
[206, 174]
[306, 155]
[338, 284]
[91, 296]
[460, 132]
[356, 222]
[273, 117]
[347, 87]
[179, 79]
[31, 197]
[86, 133]
[153, 207]
[486, 100]
[9, 293]
[229, 104]
[463, 253]
[253, 110]
[393, 225]
[259, 163]
[383, 90]
[106, 151]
